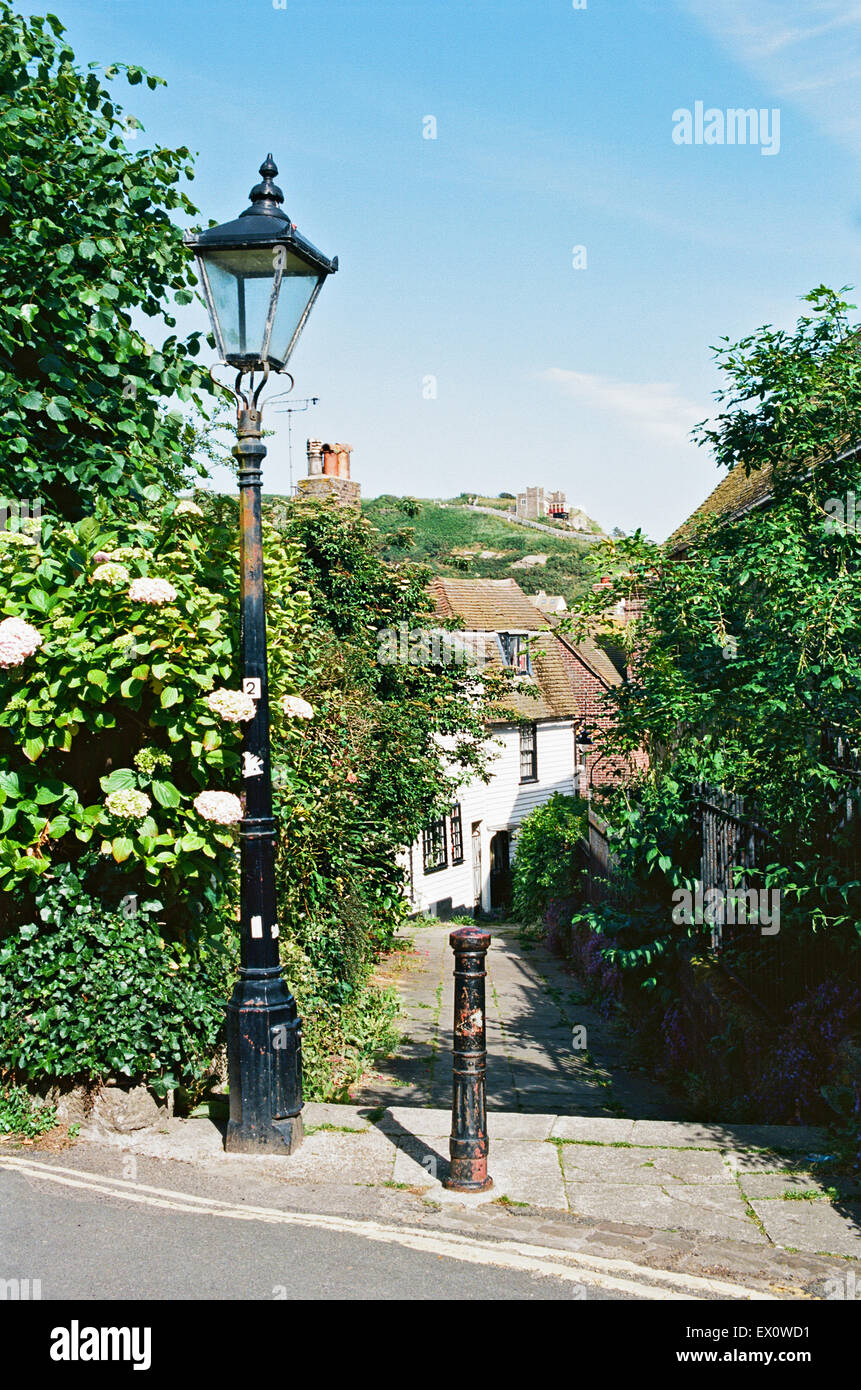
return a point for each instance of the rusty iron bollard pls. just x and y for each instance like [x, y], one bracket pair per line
[468, 1145]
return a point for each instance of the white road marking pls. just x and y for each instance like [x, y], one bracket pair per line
[594, 1270]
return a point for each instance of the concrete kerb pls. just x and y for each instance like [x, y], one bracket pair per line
[670, 1174]
[673, 1197]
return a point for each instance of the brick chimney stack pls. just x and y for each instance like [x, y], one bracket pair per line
[329, 473]
[336, 460]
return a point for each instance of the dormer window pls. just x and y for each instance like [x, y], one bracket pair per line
[515, 651]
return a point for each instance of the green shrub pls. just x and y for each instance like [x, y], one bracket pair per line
[86, 993]
[546, 865]
[342, 1030]
[20, 1114]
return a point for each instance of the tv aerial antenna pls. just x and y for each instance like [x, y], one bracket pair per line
[290, 410]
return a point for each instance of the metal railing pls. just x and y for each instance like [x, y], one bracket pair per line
[775, 967]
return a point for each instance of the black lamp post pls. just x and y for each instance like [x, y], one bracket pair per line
[260, 279]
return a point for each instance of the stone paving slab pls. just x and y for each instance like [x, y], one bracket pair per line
[817, 1227]
[676, 1134]
[327, 1157]
[592, 1129]
[522, 1171]
[776, 1184]
[317, 1114]
[711, 1211]
[420, 1163]
[515, 1126]
[802, 1139]
[407, 1121]
[767, 1161]
[583, 1163]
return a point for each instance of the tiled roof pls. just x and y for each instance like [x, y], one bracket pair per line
[487, 605]
[500, 605]
[738, 492]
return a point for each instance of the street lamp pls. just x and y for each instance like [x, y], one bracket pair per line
[260, 279]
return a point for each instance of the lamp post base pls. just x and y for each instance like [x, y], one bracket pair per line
[278, 1137]
[264, 1065]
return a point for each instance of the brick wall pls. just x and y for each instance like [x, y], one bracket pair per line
[593, 714]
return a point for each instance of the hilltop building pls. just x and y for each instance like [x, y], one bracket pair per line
[548, 603]
[536, 504]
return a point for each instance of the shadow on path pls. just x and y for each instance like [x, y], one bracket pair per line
[549, 1052]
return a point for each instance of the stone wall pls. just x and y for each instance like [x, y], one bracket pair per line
[345, 492]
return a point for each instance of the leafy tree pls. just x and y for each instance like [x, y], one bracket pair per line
[791, 397]
[89, 249]
[747, 659]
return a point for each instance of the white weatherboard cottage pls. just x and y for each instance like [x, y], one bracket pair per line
[462, 861]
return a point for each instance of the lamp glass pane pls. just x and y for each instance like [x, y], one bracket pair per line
[241, 285]
[241, 282]
[293, 300]
[298, 283]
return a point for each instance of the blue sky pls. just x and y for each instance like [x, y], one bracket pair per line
[554, 130]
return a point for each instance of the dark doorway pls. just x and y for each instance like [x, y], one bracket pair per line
[500, 872]
[477, 880]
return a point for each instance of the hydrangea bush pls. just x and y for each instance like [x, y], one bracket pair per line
[120, 717]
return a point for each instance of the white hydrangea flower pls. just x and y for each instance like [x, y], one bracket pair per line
[154, 591]
[187, 508]
[110, 573]
[222, 807]
[296, 708]
[18, 640]
[128, 803]
[126, 552]
[16, 538]
[232, 704]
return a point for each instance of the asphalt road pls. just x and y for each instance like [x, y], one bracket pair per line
[83, 1244]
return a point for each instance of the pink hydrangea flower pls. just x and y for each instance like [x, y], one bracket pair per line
[222, 807]
[18, 640]
[152, 591]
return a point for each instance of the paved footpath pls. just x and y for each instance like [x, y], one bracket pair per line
[599, 1183]
[536, 1060]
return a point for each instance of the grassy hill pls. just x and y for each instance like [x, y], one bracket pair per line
[456, 540]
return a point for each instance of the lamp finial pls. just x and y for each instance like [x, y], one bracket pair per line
[266, 191]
